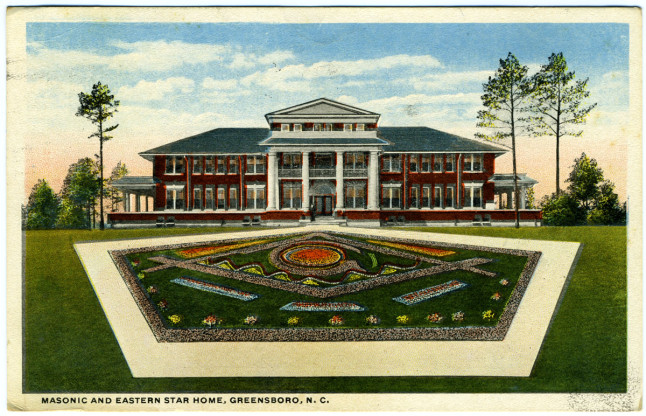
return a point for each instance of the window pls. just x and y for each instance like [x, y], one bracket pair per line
[233, 164]
[197, 197]
[292, 160]
[391, 163]
[437, 163]
[316, 127]
[222, 202]
[361, 127]
[414, 163]
[347, 127]
[284, 127]
[328, 127]
[174, 165]
[437, 197]
[472, 163]
[292, 192]
[450, 163]
[209, 200]
[426, 196]
[414, 197]
[255, 164]
[233, 197]
[450, 196]
[197, 165]
[210, 165]
[356, 160]
[426, 163]
[391, 196]
[222, 164]
[355, 195]
[255, 196]
[175, 198]
[472, 196]
[298, 127]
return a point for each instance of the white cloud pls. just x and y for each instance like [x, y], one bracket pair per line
[156, 90]
[163, 56]
[219, 84]
[386, 104]
[449, 79]
[297, 77]
[348, 99]
[250, 60]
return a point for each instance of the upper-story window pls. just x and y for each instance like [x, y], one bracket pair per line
[361, 127]
[292, 160]
[284, 127]
[210, 165]
[255, 164]
[437, 163]
[450, 163]
[355, 160]
[426, 163]
[174, 164]
[347, 127]
[317, 127]
[413, 164]
[233, 164]
[392, 163]
[197, 165]
[298, 127]
[473, 163]
[222, 164]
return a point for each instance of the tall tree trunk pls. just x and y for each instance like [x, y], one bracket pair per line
[101, 224]
[558, 139]
[513, 151]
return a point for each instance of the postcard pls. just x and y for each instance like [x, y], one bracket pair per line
[324, 209]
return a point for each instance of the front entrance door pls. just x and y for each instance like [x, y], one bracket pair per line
[323, 205]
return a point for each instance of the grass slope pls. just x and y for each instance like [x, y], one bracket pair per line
[69, 345]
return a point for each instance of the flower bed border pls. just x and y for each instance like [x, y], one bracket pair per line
[164, 334]
[298, 306]
[431, 292]
[213, 288]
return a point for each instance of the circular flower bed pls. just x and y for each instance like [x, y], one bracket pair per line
[313, 255]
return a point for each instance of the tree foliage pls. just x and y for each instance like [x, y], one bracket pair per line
[112, 193]
[42, 207]
[557, 105]
[99, 106]
[589, 198]
[504, 98]
[78, 194]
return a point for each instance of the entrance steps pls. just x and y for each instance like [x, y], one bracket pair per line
[324, 221]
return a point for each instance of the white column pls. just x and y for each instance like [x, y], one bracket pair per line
[305, 198]
[523, 197]
[339, 180]
[126, 201]
[147, 210]
[137, 203]
[271, 181]
[373, 181]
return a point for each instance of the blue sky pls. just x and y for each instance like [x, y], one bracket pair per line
[178, 79]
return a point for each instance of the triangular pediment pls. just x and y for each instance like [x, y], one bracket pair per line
[322, 106]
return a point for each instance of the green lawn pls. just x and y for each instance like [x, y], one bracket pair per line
[70, 347]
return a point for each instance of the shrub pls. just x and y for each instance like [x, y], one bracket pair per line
[373, 320]
[403, 319]
[495, 296]
[212, 320]
[457, 316]
[488, 315]
[251, 320]
[175, 319]
[293, 320]
[435, 318]
[336, 320]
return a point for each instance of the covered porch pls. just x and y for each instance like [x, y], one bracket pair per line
[504, 189]
[138, 193]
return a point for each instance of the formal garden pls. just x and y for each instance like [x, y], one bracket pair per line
[69, 345]
[376, 288]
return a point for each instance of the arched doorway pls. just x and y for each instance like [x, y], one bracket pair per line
[322, 194]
